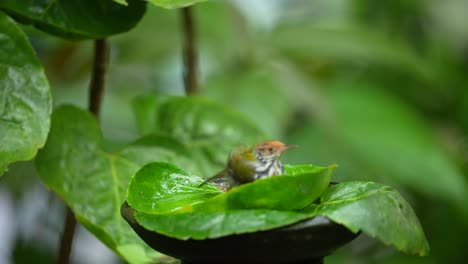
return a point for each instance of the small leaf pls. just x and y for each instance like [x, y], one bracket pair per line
[93, 182]
[377, 210]
[25, 101]
[202, 225]
[77, 19]
[298, 187]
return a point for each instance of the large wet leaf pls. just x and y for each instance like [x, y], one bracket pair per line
[93, 182]
[25, 101]
[169, 200]
[208, 129]
[300, 186]
[90, 19]
[162, 187]
[377, 210]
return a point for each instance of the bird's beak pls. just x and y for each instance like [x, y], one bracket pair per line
[286, 147]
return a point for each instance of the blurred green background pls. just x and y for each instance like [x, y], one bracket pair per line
[378, 87]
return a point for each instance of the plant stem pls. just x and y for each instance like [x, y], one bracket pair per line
[67, 238]
[96, 89]
[189, 52]
[96, 86]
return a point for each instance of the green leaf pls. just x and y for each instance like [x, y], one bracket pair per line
[208, 129]
[375, 136]
[174, 3]
[377, 210]
[269, 102]
[160, 187]
[298, 187]
[25, 101]
[168, 198]
[93, 182]
[349, 44]
[77, 19]
[202, 225]
[391, 139]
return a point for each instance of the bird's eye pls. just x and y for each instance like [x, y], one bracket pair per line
[270, 149]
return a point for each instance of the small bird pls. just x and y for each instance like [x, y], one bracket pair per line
[247, 164]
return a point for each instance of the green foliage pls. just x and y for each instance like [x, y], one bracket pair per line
[298, 187]
[350, 45]
[377, 210]
[92, 181]
[397, 116]
[208, 129]
[272, 111]
[163, 187]
[25, 101]
[77, 19]
[159, 191]
[397, 142]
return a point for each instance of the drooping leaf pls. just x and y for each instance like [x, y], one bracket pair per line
[93, 182]
[208, 129]
[377, 210]
[25, 101]
[77, 19]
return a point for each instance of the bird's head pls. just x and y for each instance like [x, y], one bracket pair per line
[271, 150]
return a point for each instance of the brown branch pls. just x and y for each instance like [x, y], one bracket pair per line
[96, 89]
[189, 52]
[67, 238]
[96, 86]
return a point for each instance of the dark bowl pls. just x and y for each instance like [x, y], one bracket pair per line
[303, 242]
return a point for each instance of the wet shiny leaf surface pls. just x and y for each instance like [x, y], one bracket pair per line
[161, 187]
[298, 187]
[93, 182]
[25, 100]
[377, 210]
[170, 201]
